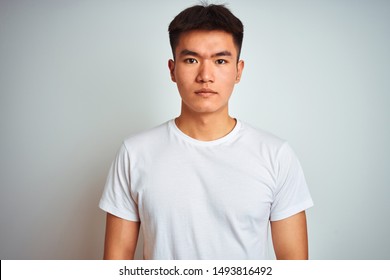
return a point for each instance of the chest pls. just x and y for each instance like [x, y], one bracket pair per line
[204, 185]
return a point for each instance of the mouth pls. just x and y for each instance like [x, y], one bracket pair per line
[205, 92]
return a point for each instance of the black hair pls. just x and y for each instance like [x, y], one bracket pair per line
[206, 17]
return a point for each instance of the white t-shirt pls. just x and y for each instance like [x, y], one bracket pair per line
[205, 199]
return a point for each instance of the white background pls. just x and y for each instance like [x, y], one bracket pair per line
[77, 77]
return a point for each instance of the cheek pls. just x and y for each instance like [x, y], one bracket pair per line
[183, 76]
[184, 80]
[229, 78]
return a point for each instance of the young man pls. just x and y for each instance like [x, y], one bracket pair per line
[205, 185]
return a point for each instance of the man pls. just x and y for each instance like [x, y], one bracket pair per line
[205, 185]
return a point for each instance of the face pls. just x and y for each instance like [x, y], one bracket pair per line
[205, 70]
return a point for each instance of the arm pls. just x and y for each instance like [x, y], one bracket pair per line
[121, 238]
[289, 237]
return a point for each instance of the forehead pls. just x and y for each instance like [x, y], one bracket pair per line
[206, 42]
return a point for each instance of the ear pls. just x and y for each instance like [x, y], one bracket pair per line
[171, 66]
[240, 68]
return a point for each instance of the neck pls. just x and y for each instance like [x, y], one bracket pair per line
[205, 127]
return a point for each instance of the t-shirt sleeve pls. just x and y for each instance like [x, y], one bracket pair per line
[291, 194]
[117, 198]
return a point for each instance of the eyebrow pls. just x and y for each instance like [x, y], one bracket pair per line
[186, 52]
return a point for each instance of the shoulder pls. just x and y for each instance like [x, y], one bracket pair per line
[148, 134]
[148, 137]
[277, 148]
[260, 138]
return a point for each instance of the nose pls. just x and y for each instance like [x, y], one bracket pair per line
[206, 73]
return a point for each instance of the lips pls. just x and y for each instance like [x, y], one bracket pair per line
[205, 92]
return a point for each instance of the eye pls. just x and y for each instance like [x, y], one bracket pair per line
[221, 61]
[190, 60]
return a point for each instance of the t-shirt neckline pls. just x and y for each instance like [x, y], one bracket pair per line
[224, 139]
